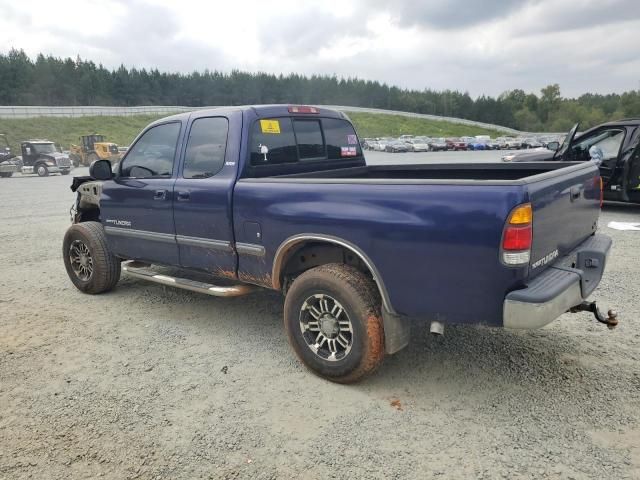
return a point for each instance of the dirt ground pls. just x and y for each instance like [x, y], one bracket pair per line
[155, 383]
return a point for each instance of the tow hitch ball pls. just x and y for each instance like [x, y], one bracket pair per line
[611, 320]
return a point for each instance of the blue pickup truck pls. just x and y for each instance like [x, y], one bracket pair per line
[227, 200]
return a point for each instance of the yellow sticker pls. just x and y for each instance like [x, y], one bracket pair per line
[270, 126]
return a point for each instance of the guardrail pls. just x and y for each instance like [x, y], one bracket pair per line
[86, 111]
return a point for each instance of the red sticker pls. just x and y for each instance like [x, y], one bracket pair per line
[348, 151]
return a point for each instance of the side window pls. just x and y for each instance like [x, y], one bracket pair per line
[341, 139]
[609, 141]
[272, 142]
[206, 147]
[309, 138]
[153, 154]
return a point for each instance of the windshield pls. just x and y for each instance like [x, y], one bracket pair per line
[44, 147]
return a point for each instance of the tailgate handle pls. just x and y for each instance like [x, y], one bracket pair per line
[575, 193]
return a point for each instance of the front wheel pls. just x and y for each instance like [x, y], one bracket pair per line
[89, 262]
[5, 174]
[333, 320]
[64, 172]
[42, 170]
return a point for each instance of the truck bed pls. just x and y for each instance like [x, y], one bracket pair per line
[433, 228]
[499, 173]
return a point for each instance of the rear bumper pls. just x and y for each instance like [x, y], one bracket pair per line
[563, 285]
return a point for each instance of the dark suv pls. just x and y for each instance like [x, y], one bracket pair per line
[618, 146]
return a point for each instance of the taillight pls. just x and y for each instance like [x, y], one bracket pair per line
[302, 109]
[517, 236]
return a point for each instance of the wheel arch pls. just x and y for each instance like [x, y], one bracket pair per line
[293, 244]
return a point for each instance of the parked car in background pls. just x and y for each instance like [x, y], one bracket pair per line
[502, 142]
[531, 142]
[438, 145]
[417, 145]
[379, 145]
[492, 145]
[396, 146]
[456, 144]
[617, 144]
[477, 145]
[513, 143]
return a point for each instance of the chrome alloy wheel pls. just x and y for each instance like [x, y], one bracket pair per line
[81, 260]
[326, 327]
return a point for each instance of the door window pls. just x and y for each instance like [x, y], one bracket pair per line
[206, 147]
[608, 140]
[153, 154]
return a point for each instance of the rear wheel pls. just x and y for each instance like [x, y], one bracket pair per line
[333, 320]
[5, 174]
[89, 262]
[64, 172]
[42, 170]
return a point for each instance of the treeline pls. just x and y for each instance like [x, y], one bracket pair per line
[56, 81]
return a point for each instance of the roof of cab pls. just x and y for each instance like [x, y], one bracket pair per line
[260, 111]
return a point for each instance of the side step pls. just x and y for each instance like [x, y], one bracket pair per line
[138, 270]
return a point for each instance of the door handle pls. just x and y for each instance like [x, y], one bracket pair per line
[575, 193]
[160, 195]
[183, 196]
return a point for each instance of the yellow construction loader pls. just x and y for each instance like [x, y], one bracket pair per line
[92, 148]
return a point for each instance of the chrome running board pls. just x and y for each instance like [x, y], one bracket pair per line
[138, 270]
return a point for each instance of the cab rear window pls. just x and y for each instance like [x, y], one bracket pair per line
[289, 140]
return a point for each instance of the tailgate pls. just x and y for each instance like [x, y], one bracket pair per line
[566, 206]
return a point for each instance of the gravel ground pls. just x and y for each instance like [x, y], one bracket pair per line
[155, 383]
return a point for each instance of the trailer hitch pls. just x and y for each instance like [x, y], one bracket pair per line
[611, 320]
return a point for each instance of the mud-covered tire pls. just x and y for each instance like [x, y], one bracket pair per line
[105, 265]
[360, 299]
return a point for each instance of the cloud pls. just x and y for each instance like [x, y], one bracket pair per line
[450, 14]
[480, 47]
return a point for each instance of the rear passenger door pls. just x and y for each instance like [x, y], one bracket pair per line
[203, 190]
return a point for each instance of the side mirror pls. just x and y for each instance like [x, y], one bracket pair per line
[553, 146]
[101, 170]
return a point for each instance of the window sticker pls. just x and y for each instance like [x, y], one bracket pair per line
[352, 140]
[270, 126]
[348, 151]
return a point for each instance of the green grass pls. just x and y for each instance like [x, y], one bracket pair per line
[383, 125]
[122, 130]
[65, 131]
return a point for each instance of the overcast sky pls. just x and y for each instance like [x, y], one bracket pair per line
[477, 46]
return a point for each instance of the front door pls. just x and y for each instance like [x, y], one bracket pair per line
[203, 190]
[137, 206]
